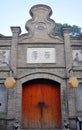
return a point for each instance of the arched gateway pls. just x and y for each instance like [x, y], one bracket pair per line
[41, 106]
[40, 60]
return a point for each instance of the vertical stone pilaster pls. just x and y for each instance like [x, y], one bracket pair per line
[13, 64]
[15, 33]
[68, 65]
[67, 49]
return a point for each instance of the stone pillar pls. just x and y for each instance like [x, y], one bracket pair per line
[15, 33]
[13, 64]
[67, 49]
[70, 92]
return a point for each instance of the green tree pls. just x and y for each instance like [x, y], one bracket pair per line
[58, 28]
[75, 30]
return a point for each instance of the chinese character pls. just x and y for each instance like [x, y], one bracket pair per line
[34, 55]
[47, 54]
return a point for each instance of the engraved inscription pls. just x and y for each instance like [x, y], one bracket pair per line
[41, 55]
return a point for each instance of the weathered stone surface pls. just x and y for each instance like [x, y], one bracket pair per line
[41, 34]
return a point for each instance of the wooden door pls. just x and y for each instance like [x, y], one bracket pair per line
[41, 106]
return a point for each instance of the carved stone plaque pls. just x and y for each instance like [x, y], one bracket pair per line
[4, 57]
[77, 57]
[41, 55]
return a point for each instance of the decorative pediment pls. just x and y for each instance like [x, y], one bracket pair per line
[41, 26]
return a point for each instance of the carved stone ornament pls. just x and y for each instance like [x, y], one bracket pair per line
[4, 57]
[40, 21]
[41, 26]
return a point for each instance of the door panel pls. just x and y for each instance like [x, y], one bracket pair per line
[31, 114]
[41, 106]
[51, 115]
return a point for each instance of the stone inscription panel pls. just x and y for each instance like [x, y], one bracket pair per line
[4, 57]
[41, 55]
[77, 57]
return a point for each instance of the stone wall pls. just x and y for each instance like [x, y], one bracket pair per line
[40, 34]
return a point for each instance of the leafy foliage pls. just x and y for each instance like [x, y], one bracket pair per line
[75, 30]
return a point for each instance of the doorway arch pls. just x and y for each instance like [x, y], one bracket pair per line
[41, 104]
